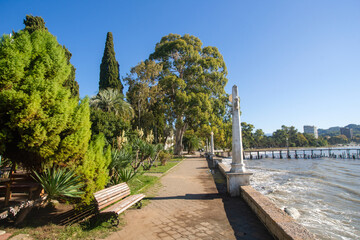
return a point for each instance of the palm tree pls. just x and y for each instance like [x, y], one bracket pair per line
[111, 100]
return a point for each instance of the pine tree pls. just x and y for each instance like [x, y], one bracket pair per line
[109, 67]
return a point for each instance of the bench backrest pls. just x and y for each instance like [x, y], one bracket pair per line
[111, 195]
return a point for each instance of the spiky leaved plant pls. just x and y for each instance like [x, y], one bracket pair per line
[122, 175]
[60, 182]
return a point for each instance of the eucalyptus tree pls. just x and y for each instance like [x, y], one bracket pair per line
[192, 82]
[146, 97]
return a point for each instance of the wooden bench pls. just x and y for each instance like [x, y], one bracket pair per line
[19, 182]
[119, 196]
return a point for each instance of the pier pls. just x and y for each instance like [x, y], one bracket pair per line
[304, 153]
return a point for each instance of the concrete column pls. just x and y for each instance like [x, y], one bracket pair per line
[237, 176]
[237, 165]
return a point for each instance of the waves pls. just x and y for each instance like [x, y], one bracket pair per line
[325, 191]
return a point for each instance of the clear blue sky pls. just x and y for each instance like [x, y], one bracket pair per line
[295, 62]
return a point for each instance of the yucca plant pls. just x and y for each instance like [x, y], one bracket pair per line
[122, 175]
[60, 182]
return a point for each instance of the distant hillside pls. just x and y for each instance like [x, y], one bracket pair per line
[334, 131]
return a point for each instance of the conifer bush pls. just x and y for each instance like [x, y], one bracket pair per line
[93, 168]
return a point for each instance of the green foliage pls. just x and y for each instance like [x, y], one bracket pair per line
[145, 97]
[191, 141]
[111, 100]
[34, 23]
[93, 168]
[107, 123]
[110, 114]
[286, 136]
[41, 123]
[121, 158]
[164, 157]
[340, 139]
[60, 182]
[70, 82]
[109, 67]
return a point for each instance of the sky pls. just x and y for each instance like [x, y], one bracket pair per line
[295, 63]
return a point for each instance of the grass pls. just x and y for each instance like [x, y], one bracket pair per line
[163, 169]
[94, 227]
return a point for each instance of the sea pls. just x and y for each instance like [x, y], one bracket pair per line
[325, 190]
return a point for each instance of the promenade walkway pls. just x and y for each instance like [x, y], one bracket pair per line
[190, 205]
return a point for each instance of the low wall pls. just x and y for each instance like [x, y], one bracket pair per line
[279, 223]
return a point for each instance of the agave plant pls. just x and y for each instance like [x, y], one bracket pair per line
[60, 182]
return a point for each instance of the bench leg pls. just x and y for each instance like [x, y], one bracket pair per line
[115, 221]
[7, 195]
[138, 205]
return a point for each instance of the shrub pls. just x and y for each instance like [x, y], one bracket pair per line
[164, 157]
[93, 168]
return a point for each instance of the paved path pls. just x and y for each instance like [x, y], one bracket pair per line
[189, 205]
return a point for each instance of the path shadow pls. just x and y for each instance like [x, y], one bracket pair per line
[245, 223]
[202, 168]
[209, 196]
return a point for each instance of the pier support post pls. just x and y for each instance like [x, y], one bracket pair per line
[238, 176]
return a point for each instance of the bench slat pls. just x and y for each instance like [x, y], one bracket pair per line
[106, 202]
[125, 203]
[110, 189]
[111, 193]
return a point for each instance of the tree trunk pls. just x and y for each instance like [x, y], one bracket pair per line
[178, 148]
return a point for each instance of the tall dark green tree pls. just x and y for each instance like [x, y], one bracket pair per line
[109, 67]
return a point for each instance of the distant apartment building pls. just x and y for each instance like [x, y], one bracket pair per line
[348, 132]
[311, 130]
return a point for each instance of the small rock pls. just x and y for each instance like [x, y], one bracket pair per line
[2, 232]
[54, 202]
[293, 212]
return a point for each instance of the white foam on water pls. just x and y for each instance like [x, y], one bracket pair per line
[328, 202]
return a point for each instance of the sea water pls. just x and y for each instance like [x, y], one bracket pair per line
[326, 192]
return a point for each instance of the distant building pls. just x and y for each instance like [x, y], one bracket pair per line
[311, 130]
[348, 132]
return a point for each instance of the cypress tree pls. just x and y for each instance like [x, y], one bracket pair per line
[109, 67]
